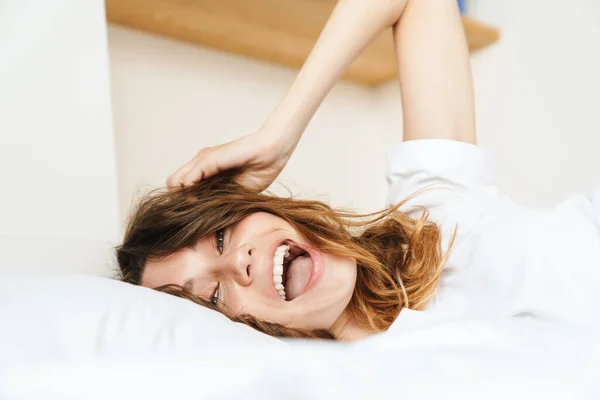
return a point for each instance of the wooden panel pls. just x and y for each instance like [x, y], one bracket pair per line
[478, 34]
[277, 31]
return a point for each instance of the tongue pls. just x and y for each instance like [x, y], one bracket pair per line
[298, 274]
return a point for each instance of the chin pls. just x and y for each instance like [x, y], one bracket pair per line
[322, 305]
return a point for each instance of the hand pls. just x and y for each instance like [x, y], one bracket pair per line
[261, 156]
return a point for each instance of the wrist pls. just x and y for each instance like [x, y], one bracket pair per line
[279, 135]
[285, 124]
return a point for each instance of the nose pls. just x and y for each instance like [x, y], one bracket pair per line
[239, 264]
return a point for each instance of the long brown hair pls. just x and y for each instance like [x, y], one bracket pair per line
[399, 259]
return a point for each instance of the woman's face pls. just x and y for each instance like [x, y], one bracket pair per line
[244, 266]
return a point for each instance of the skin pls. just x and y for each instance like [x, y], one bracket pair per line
[240, 272]
[437, 98]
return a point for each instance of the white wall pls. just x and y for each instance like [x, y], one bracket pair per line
[57, 160]
[172, 99]
[537, 93]
[536, 97]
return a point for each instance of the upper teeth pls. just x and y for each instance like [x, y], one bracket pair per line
[281, 252]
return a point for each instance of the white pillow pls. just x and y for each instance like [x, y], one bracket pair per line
[81, 336]
[85, 337]
[60, 316]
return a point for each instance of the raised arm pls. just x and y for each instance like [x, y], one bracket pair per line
[435, 75]
[352, 26]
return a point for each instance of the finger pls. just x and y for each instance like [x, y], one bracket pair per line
[193, 176]
[202, 170]
[176, 179]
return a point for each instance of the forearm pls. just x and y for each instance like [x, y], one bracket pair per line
[435, 76]
[353, 25]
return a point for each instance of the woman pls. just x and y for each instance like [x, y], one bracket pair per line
[300, 269]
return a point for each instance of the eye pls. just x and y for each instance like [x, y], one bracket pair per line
[214, 298]
[220, 239]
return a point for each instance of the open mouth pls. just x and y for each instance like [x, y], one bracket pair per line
[292, 269]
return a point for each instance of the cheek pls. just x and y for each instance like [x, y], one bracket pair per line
[344, 272]
[339, 281]
[330, 298]
[343, 283]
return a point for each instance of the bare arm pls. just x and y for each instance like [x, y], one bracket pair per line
[435, 76]
[435, 79]
[433, 64]
[352, 26]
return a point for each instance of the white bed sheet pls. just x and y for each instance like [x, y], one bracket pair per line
[69, 336]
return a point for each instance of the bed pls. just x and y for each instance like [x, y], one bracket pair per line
[76, 336]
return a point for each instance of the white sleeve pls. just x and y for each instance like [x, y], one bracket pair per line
[456, 178]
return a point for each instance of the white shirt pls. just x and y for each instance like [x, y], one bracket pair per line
[507, 260]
